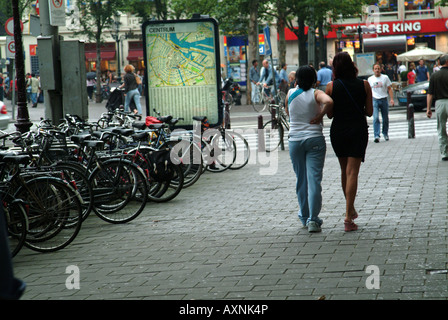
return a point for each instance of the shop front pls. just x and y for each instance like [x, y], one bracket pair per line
[108, 57]
[391, 39]
[135, 55]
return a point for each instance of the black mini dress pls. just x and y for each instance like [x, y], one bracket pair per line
[349, 130]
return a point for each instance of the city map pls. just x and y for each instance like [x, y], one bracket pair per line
[181, 69]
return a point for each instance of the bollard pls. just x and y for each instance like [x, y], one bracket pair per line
[261, 145]
[273, 112]
[227, 116]
[410, 117]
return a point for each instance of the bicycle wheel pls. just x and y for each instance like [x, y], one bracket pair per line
[78, 179]
[188, 155]
[169, 189]
[258, 101]
[120, 190]
[273, 135]
[54, 213]
[242, 150]
[281, 97]
[17, 223]
[220, 152]
[103, 122]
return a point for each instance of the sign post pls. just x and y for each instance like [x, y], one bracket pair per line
[57, 12]
[267, 43]
[183, 69]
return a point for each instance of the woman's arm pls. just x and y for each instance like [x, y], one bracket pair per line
[327, 106]
[369, 103]
[329, 91]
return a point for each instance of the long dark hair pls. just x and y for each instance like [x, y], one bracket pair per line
[306, 77]
[343, 66]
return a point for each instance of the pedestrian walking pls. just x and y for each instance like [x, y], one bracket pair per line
[34, 85]
[306, 108]
[292, 79]
[411, 74]
[131, 89]
[283, 76]
[422, 71]
[438, 91]
[254, 78]
[381, 86]
[323, 76]
[349, 130]
[90, 87]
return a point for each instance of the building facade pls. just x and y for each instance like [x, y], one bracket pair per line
[400, 26]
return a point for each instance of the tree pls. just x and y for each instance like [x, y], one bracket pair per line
[318, 13]
[94, 17]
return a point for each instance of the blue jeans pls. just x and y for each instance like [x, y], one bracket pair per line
[308, 157]
[383, 105]
[132, 94]
[34, 97]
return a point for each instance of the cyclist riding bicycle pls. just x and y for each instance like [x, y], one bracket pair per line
[267, 79]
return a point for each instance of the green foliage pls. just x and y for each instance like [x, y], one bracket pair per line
[94, 16]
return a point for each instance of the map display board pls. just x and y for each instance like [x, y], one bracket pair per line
[364, 63]
[182, 76]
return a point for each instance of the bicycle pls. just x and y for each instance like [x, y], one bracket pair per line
[263, 97]
[120, 190]
[274, 129]
[52, 205]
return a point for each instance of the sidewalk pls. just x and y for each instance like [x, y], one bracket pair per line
[236, 235]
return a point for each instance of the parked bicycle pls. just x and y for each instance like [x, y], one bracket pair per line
[274, 129]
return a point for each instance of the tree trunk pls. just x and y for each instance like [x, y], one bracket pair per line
[98, 96]
[254, 54]
[281, 42]
[303, 57]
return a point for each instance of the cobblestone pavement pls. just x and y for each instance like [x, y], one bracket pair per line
[236, 235]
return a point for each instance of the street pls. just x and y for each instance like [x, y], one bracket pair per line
[236, 235]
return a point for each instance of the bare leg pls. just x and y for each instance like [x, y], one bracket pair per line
[349, 180]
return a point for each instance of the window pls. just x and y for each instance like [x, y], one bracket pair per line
[419, 9]
[388, 8]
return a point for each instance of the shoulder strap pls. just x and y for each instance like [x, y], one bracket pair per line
[294, 95]
[348, 92]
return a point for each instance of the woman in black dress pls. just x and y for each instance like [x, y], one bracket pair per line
[349, 130]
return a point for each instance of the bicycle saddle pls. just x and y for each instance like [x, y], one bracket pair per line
[139, 125]
[142, 136]
[199, 118]
[79, 138]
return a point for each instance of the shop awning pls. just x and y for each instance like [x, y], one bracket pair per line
[135, 55]
[105, 55]
[397, 43]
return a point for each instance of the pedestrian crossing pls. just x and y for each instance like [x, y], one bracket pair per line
[398, 129]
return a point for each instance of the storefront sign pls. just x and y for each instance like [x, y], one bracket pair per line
[389, 28]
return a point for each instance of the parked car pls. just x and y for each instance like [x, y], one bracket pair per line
[418, 98]
[4, 117]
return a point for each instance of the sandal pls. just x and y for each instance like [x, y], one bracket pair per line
[350, 226]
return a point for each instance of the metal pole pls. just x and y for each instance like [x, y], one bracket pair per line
[23, 123]
[52, 98]
[410, 117]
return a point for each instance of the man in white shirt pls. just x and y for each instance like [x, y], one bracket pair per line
[381, 86]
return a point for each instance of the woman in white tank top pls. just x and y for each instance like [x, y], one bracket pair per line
[306, 108]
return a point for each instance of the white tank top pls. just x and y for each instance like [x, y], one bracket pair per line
[302, 109]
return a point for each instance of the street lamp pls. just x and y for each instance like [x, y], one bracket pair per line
[116, 36]
[339, 36]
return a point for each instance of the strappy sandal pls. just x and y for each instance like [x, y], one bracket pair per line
[350, 226]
